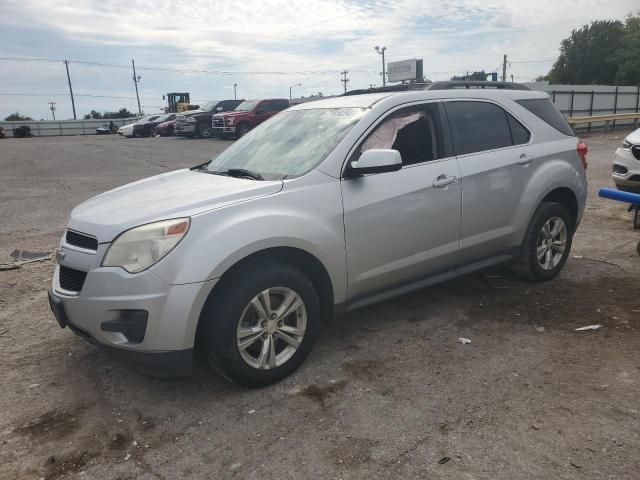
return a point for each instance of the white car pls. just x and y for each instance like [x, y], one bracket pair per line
[626, 164]
[126, 130]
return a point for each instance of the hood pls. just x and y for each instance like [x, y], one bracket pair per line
[190, 113]
[634, 137]
[170, 195]
[232, 113]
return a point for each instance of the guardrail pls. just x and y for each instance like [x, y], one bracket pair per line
[47, 128]
[608, 120]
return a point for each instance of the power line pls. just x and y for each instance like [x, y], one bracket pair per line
[77, 95]
[534, 61]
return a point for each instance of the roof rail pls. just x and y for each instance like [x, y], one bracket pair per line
[466, 84]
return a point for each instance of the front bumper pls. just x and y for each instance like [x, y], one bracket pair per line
[223, 131]
[177, 363]
[626, 170]
[139, 317]
[186, 130]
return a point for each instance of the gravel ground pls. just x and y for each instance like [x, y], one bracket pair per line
[387, 392]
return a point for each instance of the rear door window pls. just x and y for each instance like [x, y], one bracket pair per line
[544, 109]
[478, 126]
[519, 134]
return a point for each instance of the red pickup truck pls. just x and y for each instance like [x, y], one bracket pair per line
[247, 115]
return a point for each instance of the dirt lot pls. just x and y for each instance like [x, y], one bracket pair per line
[388, 392]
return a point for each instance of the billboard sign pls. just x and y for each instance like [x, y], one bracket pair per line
[405, 70]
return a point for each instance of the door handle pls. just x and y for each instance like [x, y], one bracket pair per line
[524, 159]
[443, 181]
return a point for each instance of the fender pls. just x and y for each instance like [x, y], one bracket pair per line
[561, 170]
[306, 214]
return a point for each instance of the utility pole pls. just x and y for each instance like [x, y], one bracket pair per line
[73, 104]
[344, 79]
[381, 52]
[291, 87]
[504, 68]
[512, 78]
[136, 79]
[235, 88]
[52, 107]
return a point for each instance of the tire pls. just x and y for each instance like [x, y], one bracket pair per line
[204, 131]
[242, 130]
[541, 238]
[236, 329]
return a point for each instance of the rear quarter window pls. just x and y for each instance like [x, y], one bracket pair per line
[545, 110]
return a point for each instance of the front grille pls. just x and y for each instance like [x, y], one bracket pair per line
[635, 150]
[217, 122]
[81, 240]
[72, 279]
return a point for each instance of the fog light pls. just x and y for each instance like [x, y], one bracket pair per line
[131, 323]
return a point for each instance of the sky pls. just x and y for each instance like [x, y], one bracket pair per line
[265, 47]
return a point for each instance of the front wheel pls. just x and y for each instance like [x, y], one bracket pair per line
[261, 324]
[242, 130]
[204, 131]
[546, 244]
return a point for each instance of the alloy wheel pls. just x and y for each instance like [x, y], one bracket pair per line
[551, 243]
[271, 328]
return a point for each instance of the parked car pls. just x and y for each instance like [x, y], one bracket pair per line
[127, 130]
[197, 123]
[23, 131]
[249, 114]
[329, 206]
[626, 164]
[107, 129]
[165, 129]
[144, 128]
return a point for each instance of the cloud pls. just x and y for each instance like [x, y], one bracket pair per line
[311, 40]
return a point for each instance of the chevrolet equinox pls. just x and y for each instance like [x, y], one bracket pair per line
[326, 207]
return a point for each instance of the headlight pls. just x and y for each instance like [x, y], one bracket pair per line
[626, 144]
[191, 120]
[141, 247]
[230, 121]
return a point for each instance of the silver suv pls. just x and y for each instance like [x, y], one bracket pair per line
[327, 207]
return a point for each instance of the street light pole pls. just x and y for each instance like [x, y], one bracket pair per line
[235, 86]
[291, 87]
[381, 52]
[52, 107]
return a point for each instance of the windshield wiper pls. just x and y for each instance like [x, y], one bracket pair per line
[241, 172]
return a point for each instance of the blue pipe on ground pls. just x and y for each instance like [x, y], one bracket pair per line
[619, 195]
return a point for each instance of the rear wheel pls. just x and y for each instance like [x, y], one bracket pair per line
[546, 244]
[204, 131]
[261, 324]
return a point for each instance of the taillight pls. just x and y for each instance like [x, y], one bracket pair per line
[582, 153]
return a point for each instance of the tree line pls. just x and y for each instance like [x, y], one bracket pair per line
[606, 52]
[93, 114]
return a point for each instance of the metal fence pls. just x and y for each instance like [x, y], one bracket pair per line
[588, 100]
[47, 128]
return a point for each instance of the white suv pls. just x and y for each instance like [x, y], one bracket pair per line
[327, 207]
[626, 164]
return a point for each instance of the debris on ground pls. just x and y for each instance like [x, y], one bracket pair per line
[463, 340]
[22, 257]
[540, 329]
[589, 327]
[443, 460]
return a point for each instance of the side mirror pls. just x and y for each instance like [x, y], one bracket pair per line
[376, 161]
